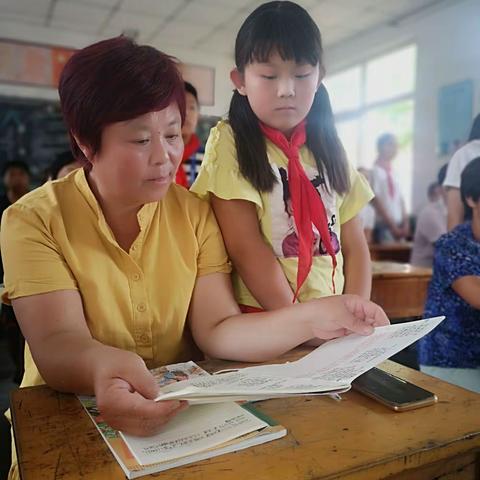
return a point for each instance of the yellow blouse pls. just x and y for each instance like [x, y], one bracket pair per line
[56, 238]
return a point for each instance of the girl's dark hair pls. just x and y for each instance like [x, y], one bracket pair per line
[470, 185]
[475, 131]
[288, 29]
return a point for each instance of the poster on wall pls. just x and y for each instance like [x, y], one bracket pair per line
[28, 64]
[203, 79]
[455, 113]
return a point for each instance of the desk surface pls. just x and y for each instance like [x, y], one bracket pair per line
[355, 438]
[386, 269]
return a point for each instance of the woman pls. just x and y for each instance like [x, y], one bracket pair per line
[112, 270]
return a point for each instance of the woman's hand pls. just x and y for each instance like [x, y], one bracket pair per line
[341, 315]
[125, 390]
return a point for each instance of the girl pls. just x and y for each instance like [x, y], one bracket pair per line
[276, 173]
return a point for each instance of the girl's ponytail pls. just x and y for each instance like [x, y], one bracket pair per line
[323, 141]
[250, 144]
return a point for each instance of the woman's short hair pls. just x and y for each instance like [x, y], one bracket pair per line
[112, 81]
[470, 184]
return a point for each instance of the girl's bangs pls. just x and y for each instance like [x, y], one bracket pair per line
[286, 39]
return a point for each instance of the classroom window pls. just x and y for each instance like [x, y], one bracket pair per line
[372, 98]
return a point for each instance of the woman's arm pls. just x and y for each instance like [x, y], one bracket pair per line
[456, 210]
[252, 257]
[222, 332]
[468, 288]
[70, 360]
[357, 265]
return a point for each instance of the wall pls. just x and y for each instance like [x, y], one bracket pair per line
[448, 40]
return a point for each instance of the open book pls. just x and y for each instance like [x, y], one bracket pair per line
[215, 424]
[198, 433]
[329, 369]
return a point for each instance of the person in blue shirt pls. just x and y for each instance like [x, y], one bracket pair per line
[452, 351]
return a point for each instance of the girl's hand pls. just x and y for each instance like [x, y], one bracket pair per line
[341, 315]
[125, 390]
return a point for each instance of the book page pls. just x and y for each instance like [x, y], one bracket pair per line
[332, 366]
[196, 429]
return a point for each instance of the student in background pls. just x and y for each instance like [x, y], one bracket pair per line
[64, 164]
[458, 162]
[391, 217]
[113, 270]
[16, 182]
[452, 351]
[431, 223]
[283, 192]
[367, 213]
[193, 151]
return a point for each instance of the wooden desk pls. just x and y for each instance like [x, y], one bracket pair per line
[352, 439]
[394, 252]
[400, 288]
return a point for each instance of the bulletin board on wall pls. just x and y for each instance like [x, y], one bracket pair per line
[30, 64]
[455, 114]
[203, 79]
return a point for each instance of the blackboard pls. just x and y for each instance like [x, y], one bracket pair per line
[32, 131]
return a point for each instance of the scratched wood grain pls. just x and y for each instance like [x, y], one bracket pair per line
[352, 439]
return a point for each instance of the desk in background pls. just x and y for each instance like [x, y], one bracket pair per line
[352, 439]
[394, 252]
[400, 288]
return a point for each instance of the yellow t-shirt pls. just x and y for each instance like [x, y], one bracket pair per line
[221, 176]
[56, 238]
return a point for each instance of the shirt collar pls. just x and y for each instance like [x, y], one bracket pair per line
[144, 215]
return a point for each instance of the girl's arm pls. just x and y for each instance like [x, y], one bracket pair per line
[357, 265]
[252, 257]
[222, 332]
[70, 360]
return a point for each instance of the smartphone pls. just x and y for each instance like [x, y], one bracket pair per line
[392, 391]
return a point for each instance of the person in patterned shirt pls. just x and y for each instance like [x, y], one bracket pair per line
[452, 351]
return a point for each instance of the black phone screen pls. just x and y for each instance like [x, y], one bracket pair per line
[389, 387]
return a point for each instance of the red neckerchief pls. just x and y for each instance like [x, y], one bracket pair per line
[190, 148]
[388, 171]
[307, 204]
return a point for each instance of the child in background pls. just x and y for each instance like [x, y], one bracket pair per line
[391, 223]
[452, 351]
[193, 149]
[277, 175]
